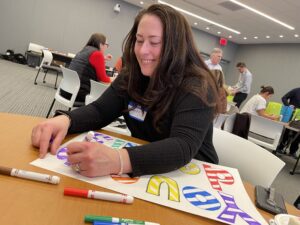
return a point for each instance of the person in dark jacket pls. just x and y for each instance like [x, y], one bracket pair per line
[166, 94]
[89, 63]
[292, 98]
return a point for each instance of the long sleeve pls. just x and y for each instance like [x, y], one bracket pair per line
[97, 60]
[190, 137]
[244, 83]
[186, 130]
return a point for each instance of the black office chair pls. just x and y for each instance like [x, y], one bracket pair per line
[46, 66]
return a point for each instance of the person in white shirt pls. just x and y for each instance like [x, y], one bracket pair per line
[243, 86]
[214, 60]
[258, 103]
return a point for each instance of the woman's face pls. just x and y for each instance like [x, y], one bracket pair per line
[148, 43]
[103, 47]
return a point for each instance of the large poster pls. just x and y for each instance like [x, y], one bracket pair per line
[200, 188]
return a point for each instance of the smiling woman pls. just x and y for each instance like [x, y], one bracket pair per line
[166, 95]
[149, 43]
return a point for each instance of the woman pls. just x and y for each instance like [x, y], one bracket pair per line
[166, 95]
[258, 103]
[89, 63]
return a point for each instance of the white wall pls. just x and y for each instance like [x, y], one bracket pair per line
[277, 65]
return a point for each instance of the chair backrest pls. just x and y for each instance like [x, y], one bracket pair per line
[230, 98]
[219, 120]
[229, 122]
[35, 47]
[97, 89]
[47, 58]
[232, 108]
[274, 108]
[69, 83]
[265, 132]
[255, 164]
[296, 114]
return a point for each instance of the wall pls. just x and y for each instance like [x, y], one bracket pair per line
[66, 25]
[277, 65]
[206, 42]
[63, 25]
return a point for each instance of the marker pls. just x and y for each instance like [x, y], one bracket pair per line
[29, 175]
[91, 218]
[109, 223]
[99, 195]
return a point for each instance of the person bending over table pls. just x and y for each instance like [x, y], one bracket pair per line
[166, 95]
[89, 63]
[258, 103]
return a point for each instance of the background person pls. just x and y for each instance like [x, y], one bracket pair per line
[243, 86]
[89, 63]
[258, 103]
[213, 63]
[292, 98]
[166, 95]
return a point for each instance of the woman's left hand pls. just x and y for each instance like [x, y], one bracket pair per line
[93, 159]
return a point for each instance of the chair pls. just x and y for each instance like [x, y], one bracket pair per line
[230, 98]
[296, 114]
[255, 164]
[265, 132]
[35, 48]
[274, 108]
[46, 66]
[231, 108]
[97, 89]
[219, 120]
[70, 83]
[229, 123]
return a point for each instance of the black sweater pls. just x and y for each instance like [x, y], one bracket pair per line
[186, 131]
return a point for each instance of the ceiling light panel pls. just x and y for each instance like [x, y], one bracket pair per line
[200, 17]
[263, 14]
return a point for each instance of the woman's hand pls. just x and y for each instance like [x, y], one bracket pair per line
[50, 133]
[94, 159]
[108, 57]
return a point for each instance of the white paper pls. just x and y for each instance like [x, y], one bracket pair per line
[200, 188]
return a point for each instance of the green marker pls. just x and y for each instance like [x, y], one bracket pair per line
[91, 218]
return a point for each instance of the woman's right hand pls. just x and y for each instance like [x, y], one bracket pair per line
[50, 133]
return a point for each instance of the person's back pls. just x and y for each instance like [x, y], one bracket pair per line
[292, 98]
[255, 102]
[89, 63]
[81, 65]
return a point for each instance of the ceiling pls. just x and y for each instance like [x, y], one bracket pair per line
[248, 23]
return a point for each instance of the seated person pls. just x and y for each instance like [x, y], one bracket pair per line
[167, 96]
[89, 63]
[258, 103]
[290, 99]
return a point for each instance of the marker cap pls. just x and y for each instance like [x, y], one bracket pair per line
[76, 192]
[55, 180]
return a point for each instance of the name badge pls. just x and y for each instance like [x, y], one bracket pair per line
[138, 112]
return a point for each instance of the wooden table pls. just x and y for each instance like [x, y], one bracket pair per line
[35, 203]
